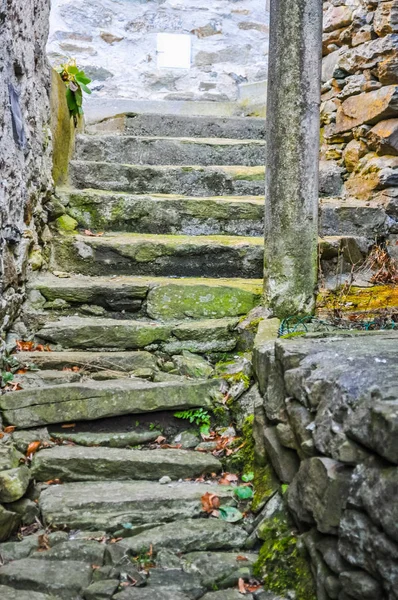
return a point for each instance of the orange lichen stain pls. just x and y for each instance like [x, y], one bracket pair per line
[357, 299]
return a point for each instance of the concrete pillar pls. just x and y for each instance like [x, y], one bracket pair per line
[291, 207]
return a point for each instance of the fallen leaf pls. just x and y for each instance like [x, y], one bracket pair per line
[210, 502]
[23, 346]
[53, 482]
[68, 425]
[228, 478]
[160, 439]
[241, 586]
[21, 372]
[44, 543]
[33, 448]
[230, 514]
[75, 369]
[241, 558]
[9, 429]
[175, 447]
[91, 234]
[1, 435]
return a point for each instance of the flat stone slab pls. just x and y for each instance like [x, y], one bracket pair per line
[169, 151]
[92, 332]
[64, 579]
[111, 439]
[108, 505]
[219, 570]
[161, 255]
[97, 399]
[189, 535]
[226, 595]
[187, 180]
[89, 361]
[150, 594]
[9, 593]
[72, 463]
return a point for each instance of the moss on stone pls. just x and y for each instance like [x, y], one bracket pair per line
[265, 484]
[66, 223]
[280, 564]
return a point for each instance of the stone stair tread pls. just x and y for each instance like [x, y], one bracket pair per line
[195, 180]
[108, 505]
[189, 535]
[91, 400]
[89, 361]
[151, 150]
[64, 579]
[8, 593]
[74, 463]
[176, 125]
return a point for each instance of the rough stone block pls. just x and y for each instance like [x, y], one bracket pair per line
[370, 107]
[383, 137]
[386, 18]
[284, 461]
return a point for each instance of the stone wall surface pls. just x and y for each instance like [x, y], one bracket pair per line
[360, 97]
[115, 41]
[327, 421]
[25, 145]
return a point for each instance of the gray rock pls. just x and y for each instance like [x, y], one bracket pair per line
[150, 594]
[226, 595]
[111, 439]
[107, 505]
[319, 492]
[26, 509]
[360, 585]
[190, 535]
[284, 461]
[72, 463]
[84, 551]
[64, 579]
[8, 593]
[188, 439]
[166, 559]
[330, 178]
[328, 547]
[22, 439]
[219, 569]
[101, 590]
[14, 483]
[177, 580]
[191, 365]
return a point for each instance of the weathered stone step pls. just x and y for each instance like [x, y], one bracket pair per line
[74, 463]
[156, 297]
[92, 400]
[171, 255]
[169, 151]
[187, 180]
[188, 536]
[101, 210]
[108, 505]
[8, 593]
[180, 126]
[60, 579]
[95, 332]
[127, 362]
[234, 215]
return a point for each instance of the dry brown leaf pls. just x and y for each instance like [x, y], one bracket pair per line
[210, 502]
[68, 425]
[91, 234]
[241, 558]
[160, 439]
[241, 586]
[33, 448]
[9, 429]
[44, 543]
[53, 482]
[21, 371]
[228, 478]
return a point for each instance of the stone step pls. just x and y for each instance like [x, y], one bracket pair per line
[8, 593]
[170, 255]
[74, 463]
[182, 126]
[95, 332]
[87, 401]
[234, 215]
[188, 536]
[104, 211]
[128, 362]
[187, 180]
[156, 297]
[107, 505]
[169, 151]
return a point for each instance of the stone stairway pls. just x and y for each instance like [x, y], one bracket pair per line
[152, 269]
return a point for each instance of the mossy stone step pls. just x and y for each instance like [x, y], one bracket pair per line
[108, 505]
[128, 362]
[187, 180]
[74, 463]
[182, 125]
[169, 151]
[156, 213]
[165, 298]
[87, 401]
[160, 255]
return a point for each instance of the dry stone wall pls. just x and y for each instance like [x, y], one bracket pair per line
[326, 419]
[359, 111]
[115, 41]
[25, 145]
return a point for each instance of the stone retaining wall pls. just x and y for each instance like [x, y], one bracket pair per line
[326, 419]
[25, 145]
[115, 41]
[359, 111]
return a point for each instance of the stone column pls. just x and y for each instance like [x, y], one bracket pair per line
[291, 207]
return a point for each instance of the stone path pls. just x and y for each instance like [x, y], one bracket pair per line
[136, 318]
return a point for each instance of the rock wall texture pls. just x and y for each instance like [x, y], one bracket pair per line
[359, 111]
[115, 41]
[326, 419]
[25, 144]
